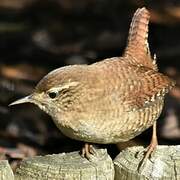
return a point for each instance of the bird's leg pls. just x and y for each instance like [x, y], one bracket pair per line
[87, 150]
[154, 142]
[151, 147]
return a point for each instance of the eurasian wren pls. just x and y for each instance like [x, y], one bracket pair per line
[110, 101]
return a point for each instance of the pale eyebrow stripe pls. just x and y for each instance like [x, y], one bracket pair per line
[66, 86]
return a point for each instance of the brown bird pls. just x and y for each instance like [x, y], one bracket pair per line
[110, 101]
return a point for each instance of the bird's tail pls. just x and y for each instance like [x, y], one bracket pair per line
[137, 49]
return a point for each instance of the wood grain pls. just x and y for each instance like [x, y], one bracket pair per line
[164, 163]
[67, 166]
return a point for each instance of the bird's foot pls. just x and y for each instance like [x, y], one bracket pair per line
[87, 151]
[150, 149]
[148, 153]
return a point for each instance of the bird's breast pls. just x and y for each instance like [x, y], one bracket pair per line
[109, 126]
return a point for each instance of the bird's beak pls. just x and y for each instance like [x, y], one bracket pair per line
[26, 99]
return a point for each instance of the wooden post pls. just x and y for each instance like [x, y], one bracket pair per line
[67, 166]
[164, 163]
[6, 172]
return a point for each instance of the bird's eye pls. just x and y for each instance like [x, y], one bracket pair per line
[52, 95]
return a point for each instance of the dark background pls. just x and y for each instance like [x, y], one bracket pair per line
[37, 36]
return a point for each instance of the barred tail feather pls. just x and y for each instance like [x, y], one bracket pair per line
[137, 47]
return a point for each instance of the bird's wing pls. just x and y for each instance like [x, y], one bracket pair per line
[137, 49]
[130, 86]
[152, 85]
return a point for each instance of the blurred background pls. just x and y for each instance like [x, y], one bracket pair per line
[37, 36]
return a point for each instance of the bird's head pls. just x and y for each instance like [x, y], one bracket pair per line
[59, 91]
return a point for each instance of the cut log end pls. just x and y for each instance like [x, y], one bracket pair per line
[67, 166]
[164, 163]
[6, 172]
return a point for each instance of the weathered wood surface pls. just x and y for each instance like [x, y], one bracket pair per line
[67, 166]
[164, 163]
[5, 171]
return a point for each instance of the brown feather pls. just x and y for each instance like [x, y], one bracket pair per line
[137, 46]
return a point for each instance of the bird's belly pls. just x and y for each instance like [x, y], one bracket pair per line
[114, 129]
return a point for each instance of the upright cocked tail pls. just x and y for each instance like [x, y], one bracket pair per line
[137, 50]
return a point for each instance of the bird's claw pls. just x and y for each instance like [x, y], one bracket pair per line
[150, 150]
[87, 151]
